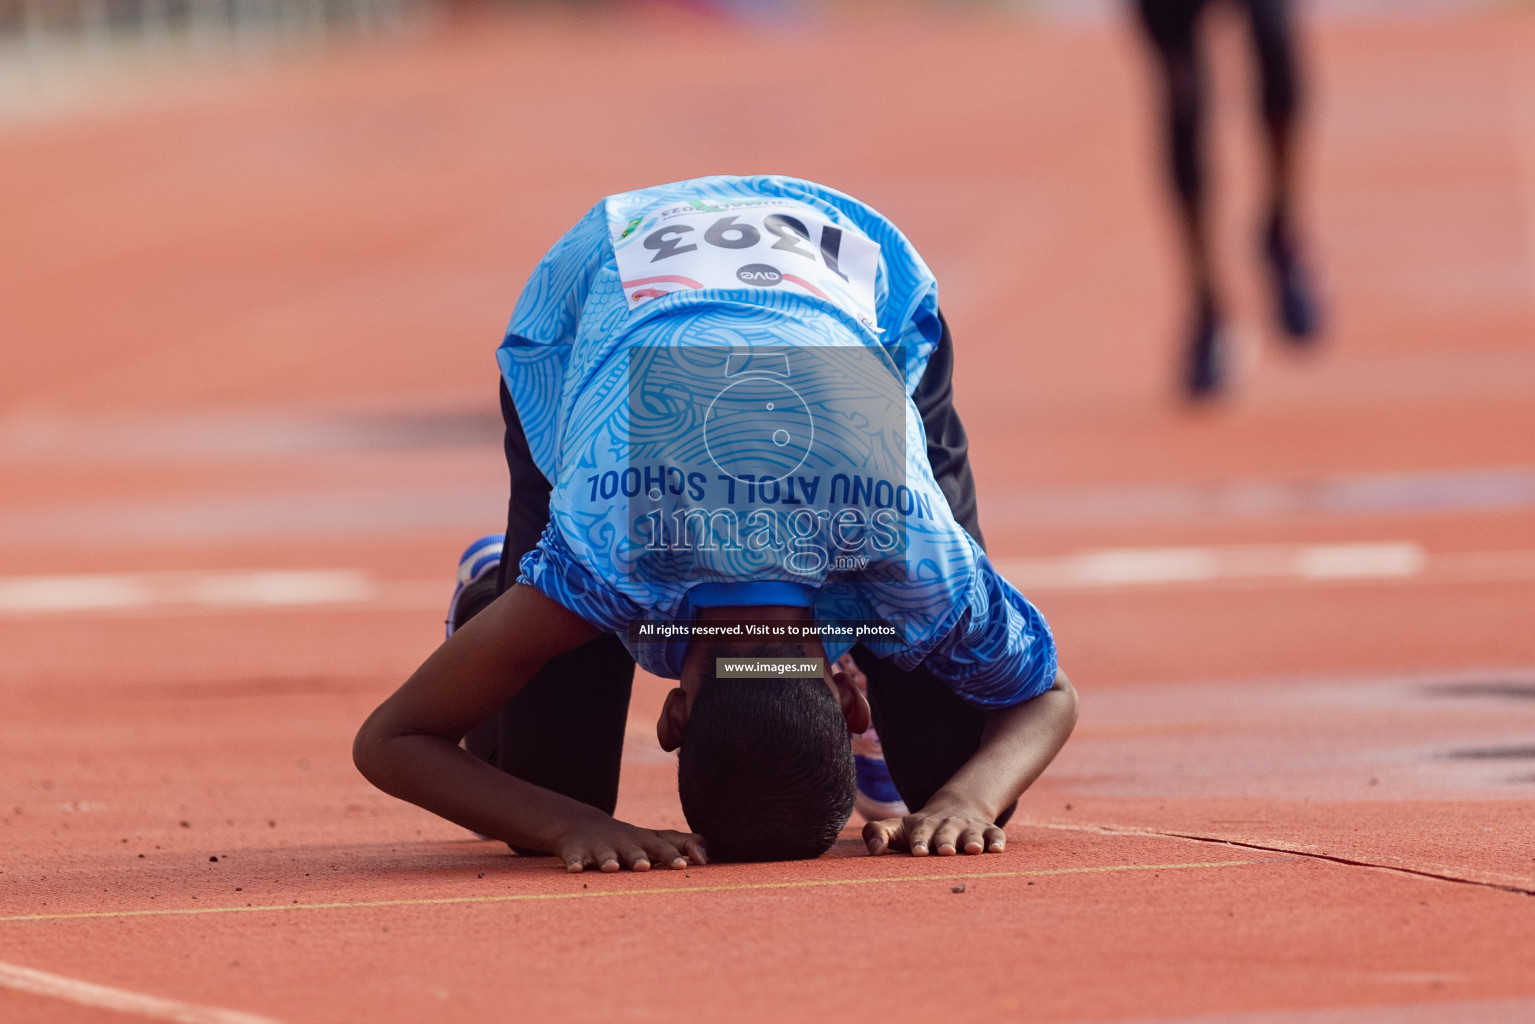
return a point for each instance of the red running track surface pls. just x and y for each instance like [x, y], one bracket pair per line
[246, 320]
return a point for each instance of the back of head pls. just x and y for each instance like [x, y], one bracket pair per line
[766, 769]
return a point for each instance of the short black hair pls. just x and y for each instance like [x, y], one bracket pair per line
[766, 767]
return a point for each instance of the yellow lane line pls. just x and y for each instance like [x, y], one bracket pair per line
[669, 890]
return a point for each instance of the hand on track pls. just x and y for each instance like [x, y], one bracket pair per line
[613, 845]
[942, 828]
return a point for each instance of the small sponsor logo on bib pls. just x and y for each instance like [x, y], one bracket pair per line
[760, 274]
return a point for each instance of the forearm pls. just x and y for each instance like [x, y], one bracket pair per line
[436, 774]
[1017, 746]
[409, 746]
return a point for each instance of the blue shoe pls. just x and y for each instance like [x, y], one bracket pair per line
[877, 797]
[476, 587]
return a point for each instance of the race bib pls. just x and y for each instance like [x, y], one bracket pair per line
[766, 244]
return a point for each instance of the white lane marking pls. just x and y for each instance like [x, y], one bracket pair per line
[1470, 490]
[1120, 567]
[41, 983]
[23, 595]
[338, 511]
[311, 586]
[1359, 561]
[175, 593]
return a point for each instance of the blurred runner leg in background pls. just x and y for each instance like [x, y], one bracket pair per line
[1173, 29]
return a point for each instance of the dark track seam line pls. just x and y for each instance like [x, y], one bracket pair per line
[1332, 858]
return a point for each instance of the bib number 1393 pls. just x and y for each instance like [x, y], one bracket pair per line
[757, 245]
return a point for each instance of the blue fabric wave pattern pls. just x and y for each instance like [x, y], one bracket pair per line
[715, 377]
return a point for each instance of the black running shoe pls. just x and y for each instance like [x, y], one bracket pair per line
[1205, 371]
[1294, 295]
